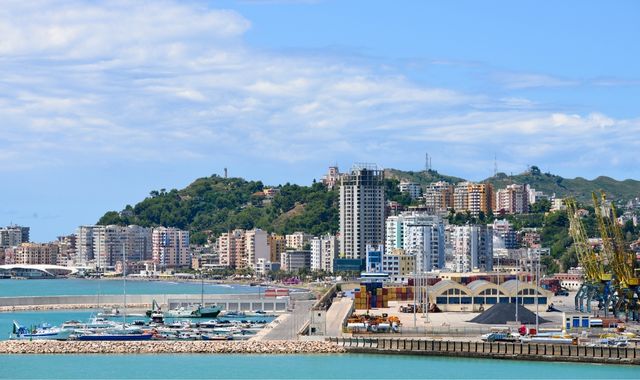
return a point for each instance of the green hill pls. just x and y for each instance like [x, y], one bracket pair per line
[213, 205]
[546, 182]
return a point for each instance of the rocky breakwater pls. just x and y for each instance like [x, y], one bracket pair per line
[170, 347]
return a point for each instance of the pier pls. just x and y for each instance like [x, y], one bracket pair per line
[493, 350]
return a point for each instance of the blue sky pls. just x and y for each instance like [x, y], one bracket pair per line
[101, 102]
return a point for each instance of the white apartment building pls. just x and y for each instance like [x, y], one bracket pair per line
[324, 250]
[256, 247]
[473, 248]
[420, 235]
[171, 247]
[297, 240]
[413, 189]
[361, 210]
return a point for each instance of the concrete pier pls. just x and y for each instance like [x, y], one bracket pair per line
[493, 350]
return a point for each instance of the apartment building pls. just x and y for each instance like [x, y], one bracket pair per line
[256, 247]
[277, 245]
[417, 234]
[297, 240]
[473, 248]
[361, 210]
[439, 196]
[514, 199]
[414, 190]
[294, 261]
[32, 253]
[324, 250]
[473, 197]
[170, 247]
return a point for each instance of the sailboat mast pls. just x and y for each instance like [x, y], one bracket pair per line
[124, 286]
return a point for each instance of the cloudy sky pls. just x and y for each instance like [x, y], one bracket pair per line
[101, 102]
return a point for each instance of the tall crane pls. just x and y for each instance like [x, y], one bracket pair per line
[623, 262]
[597, 281]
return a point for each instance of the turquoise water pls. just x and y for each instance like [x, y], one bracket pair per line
[74, 287]
[293, 367]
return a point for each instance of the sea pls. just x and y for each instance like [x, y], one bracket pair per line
[227, 366]
[77, 287]
[330, 366]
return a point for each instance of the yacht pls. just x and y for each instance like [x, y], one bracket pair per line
[42, 332]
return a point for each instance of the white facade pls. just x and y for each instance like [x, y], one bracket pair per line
[256, 247]
[297, 240]
[413, 189]
[420, 235]
[324, 250]
[361, 210]
[473, 248]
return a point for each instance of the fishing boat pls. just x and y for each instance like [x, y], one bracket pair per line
[42, 332]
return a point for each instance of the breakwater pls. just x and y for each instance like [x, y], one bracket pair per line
[495, 350]
[170, 347]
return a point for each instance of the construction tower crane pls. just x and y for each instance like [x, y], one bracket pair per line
[597, 282]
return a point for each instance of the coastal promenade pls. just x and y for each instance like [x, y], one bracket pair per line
[495, 350]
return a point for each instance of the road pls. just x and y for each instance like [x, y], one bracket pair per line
[336, 315]
[289, 325]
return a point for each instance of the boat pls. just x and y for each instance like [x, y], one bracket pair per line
[42, 332]
[110, 336]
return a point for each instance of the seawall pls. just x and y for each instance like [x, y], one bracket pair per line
[170, 347]
[493, 350]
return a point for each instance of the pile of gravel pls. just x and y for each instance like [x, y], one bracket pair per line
[502, 313]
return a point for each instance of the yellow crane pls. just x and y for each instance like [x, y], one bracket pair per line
[596, 284]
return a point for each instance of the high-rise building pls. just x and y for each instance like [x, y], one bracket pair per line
[256, 247]
[473, 197]
[324, 250]
[438, 196]
[13, 236]
[424, 239]
[473, 248]
[84, 245]
[171, 247]
[418, 234]
[514, 199]
[112, 244]
[231, 247]
[504, 236]
[277, 245]
[361, 210]
[66, 250]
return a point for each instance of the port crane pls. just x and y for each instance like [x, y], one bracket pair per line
[624, 265]
[597, 282]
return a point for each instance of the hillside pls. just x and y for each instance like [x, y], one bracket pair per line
[548, 183]
[210, 206]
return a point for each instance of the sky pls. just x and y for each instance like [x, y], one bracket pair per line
[103, 101]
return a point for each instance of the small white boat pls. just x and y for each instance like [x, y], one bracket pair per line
[41, 332]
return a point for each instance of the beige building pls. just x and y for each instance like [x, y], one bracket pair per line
[231, 248]
[171, 247]
[297, 240]
[438, 196]
[32, 253]
[473, 197]
[514, 199]
[277, 245]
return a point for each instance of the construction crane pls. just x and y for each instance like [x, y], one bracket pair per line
[623, 262]
[597, 282]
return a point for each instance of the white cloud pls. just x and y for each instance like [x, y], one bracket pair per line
[160, 81]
